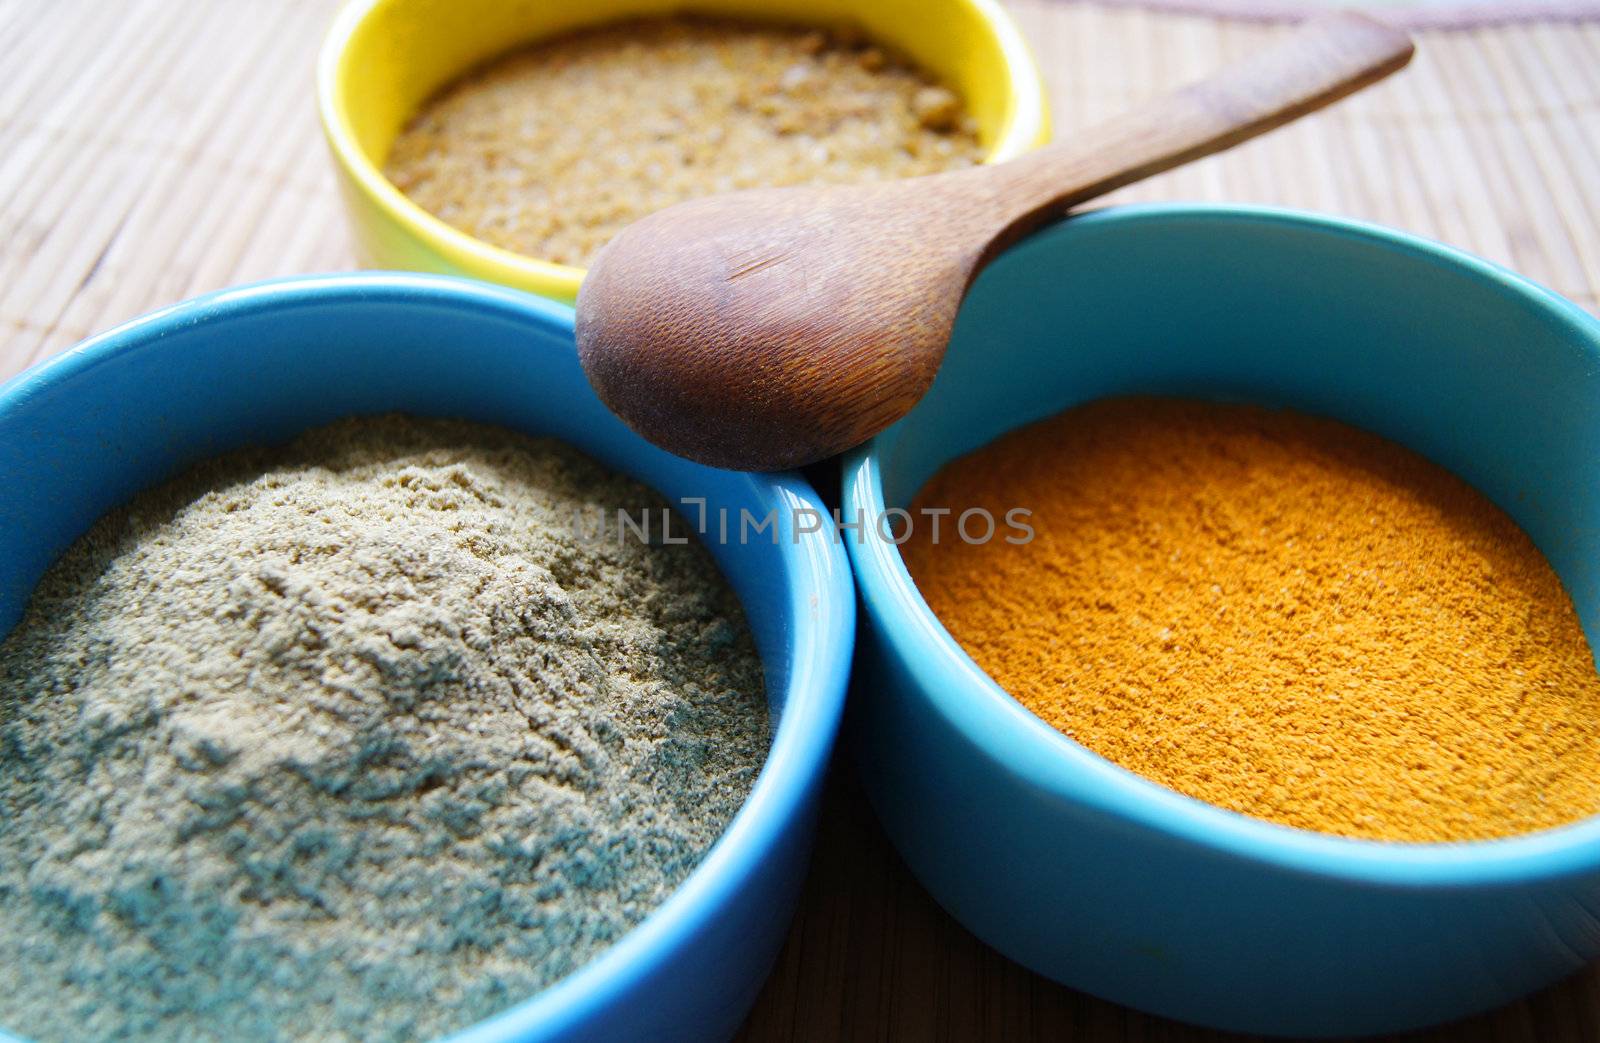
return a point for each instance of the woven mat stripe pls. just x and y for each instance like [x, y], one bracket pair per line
[1411, 15]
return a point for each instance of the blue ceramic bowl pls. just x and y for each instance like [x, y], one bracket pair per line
[87, 430]
[1088, 873]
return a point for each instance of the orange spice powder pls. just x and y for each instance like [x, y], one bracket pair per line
[1278, 614]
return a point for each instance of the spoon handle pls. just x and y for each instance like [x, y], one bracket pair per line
[1324, 60]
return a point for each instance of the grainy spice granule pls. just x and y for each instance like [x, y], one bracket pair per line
[1277, 614]
[550, 150]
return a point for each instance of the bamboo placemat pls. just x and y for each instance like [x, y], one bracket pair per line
[151, 150]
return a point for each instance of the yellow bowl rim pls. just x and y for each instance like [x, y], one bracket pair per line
[1023, 125]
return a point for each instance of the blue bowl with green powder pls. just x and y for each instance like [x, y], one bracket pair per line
[1088, 873]
[87, 430]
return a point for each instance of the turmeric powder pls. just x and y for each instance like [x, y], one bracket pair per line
[1278, 614]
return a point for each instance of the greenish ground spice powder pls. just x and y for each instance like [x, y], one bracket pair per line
[357, 738]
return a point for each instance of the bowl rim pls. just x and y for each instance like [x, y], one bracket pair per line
[1023, 124]
[819, 612]
[952, 684]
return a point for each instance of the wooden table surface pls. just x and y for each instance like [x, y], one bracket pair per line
[151, 150]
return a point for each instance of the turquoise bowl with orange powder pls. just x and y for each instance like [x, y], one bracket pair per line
[1101, 879]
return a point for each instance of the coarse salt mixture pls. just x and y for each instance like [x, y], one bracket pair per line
[360, 738]
[550, 150]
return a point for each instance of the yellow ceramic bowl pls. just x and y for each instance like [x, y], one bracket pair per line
[384, 58]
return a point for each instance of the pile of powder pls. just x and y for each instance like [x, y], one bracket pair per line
[1277, 614]
[552, 149]
[359, 738]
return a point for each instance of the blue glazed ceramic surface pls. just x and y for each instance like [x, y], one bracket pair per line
[1107, 882]
[85, 431]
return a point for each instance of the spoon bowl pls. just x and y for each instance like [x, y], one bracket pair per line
[769, 329]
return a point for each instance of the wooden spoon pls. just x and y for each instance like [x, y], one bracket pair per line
[767, 329]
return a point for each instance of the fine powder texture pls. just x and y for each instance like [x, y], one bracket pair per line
[1277, 614]
[360, 738]
[551, 150]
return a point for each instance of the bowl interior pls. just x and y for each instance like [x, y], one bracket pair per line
[1475, 368]
[86, 431]
[384, 58]
[404, 50]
